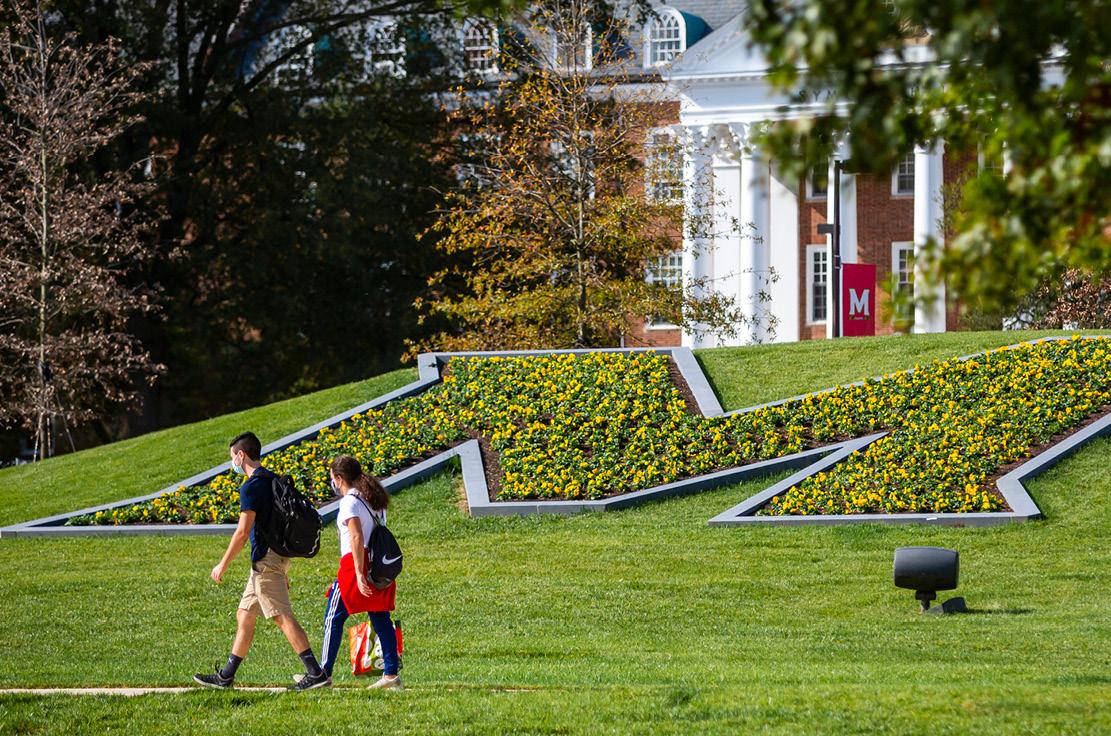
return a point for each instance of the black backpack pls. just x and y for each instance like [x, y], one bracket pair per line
[384, 551]
[294, 528]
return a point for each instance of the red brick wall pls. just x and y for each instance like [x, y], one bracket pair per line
[811, 214]
[639, 335]
[881, 219]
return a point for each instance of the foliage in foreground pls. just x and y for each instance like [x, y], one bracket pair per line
[1023, 82]
[587, 426]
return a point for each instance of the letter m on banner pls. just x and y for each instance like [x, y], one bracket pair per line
[858, 299]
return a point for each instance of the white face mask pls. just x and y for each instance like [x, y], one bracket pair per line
[237, 467]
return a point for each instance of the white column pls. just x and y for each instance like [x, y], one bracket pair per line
[842, 152]
[783, 257]
[929, 287]
[698, 185]
[728, 241]
[831, 217]
[755, 231]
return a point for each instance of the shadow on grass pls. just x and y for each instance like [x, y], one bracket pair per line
[1000, 611]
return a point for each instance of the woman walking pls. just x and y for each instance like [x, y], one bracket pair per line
[362, 506]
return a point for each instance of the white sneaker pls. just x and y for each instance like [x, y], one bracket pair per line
[387, 683]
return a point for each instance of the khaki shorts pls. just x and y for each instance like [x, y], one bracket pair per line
[267, 590]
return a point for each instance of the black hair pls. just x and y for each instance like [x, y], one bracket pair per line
[249, 444]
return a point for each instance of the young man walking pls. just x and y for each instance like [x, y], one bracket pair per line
[267, 590]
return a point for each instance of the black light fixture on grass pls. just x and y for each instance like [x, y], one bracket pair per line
[926, 570]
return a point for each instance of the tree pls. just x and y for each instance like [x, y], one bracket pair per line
[1025, 81]
[71, 234]
[553, 231]
[243, 123]
[255, 106]
[1077, 301]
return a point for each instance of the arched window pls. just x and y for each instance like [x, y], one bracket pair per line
[480, 46]
[665, 37]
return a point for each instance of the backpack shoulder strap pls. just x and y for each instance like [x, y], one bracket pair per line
[377, 519]
[277, 486]
[280, 481]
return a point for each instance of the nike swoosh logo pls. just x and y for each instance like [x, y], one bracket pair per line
[390, 561]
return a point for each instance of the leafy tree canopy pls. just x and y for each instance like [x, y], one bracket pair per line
[1025, 81]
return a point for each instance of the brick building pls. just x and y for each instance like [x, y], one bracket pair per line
[701, 52]
[777, 266]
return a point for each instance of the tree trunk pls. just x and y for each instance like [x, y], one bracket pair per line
[44, 237]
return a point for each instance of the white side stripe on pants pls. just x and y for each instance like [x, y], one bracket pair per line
[326, 647]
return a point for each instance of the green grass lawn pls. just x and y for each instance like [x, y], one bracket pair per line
[145, 464]
[741, 376]
[752, 375]
[639, 621]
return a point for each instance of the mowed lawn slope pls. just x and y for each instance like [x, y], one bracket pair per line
[147, 463]
[640, 621]
[741, 377]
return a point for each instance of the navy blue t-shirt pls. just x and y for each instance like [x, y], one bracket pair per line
[257, 494]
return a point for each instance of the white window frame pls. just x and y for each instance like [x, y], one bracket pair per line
[492, 47]
[653, 24]
[385, 27]
[811, 251]
[673, 263]
[982, 162]
[895, 191]
[811, 194]
[299, 64]
[898, 247]
[652, 182]
[588, 53]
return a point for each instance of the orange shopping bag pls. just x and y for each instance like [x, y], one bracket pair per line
[366, 650]
[362, 648]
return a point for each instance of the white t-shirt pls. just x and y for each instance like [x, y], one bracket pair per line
[351, 506]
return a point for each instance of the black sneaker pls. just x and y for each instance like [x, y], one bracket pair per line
[311, 682]
[215, 680]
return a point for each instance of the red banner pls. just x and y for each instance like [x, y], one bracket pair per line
[858, 299]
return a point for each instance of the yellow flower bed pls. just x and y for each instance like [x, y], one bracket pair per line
[590, 425]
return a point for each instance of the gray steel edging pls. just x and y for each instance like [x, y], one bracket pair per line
[480, 504]
[1012, 485]
[745, 510]
[474, 480]
[991, 518]
[126, 530]
[428, 374]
